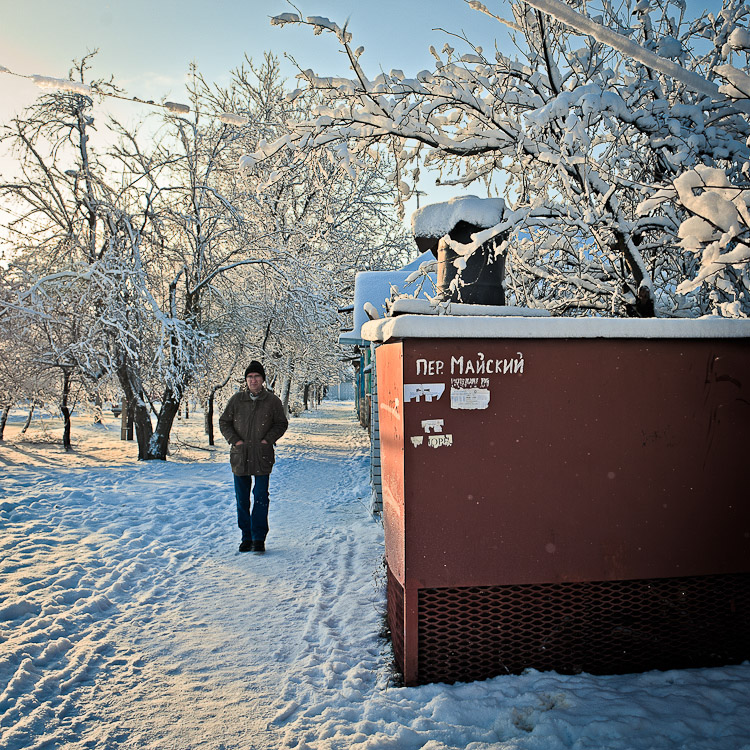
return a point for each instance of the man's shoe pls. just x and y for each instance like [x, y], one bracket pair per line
[259, 545]
[246, 546]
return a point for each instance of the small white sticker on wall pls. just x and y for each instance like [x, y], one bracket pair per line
[423, 391]
[440, 441]
[432, 425]
[417, 440]
[470, 398]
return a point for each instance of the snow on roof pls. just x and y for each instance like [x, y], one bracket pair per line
[413, 265]
[375, 287]
[437, 219]
[421, 306]
[471, 327]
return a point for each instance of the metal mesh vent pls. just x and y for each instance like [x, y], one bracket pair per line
[606, 627]
[395, 594]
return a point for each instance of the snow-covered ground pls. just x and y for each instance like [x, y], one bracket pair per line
[129, 620]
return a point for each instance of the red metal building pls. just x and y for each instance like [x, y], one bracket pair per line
[566, 494]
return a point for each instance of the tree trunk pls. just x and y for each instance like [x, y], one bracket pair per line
[4, 420]
[209, 416]
[137, 406]
[159, 444]
[644, 306]
[65, 409]
[126, 420]
[97, 409]
[28, 419]
[305, 395]
[143, 428]
[286, 391]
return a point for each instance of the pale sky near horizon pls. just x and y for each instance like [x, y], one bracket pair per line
[148, 45]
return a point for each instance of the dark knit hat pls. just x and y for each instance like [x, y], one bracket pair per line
[255, 367]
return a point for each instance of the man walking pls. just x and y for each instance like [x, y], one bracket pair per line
[252, 423]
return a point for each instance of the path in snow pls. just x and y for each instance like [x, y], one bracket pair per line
[129, 620]
[128, 617]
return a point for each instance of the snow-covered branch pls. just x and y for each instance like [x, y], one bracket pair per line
[578, 126]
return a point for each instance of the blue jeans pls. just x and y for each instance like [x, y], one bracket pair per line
[254, 524]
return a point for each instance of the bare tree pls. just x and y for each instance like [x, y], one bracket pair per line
[170, 254]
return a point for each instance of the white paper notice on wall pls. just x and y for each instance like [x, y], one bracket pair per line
[470, 398]
[423, 392]
[432, 425]
[438, 441]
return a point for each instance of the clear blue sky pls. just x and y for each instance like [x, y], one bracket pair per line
[148, 44]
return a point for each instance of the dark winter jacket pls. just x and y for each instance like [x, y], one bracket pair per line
[252, 420]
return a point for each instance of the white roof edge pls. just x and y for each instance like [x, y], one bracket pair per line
[448, 326]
